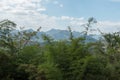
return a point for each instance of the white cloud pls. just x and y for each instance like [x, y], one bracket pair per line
[28, 13]
[104, 26]
[71, 18]
[33, 21]
[61, 5]
[58, 4]
[55, 2]
[48, 22]
[108, 26]
[66, 18]
[109, 23]
[21, 6]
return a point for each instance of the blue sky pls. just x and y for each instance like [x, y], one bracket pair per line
[100, 9]
[62, 13]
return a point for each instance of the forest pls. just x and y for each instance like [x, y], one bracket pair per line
[73, 59]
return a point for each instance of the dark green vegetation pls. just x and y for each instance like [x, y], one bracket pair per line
[72, 59]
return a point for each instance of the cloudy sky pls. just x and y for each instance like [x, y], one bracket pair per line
[59, 14]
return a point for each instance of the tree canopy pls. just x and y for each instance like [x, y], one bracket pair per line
[72, 59]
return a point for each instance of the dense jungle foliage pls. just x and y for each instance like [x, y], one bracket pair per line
[72, 59]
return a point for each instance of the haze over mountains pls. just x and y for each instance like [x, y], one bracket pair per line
[58, 34]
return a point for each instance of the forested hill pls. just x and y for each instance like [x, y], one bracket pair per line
[57, 60]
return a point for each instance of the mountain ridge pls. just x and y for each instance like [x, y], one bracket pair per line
[58, 34]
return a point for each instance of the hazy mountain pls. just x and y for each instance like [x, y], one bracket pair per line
[57, 34]
[61, 34]
[64, 34]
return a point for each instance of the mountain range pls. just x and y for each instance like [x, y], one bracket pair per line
[58, 34]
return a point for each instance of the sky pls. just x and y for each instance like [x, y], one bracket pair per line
[60, 14]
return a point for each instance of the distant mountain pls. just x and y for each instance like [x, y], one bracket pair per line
[57, 34]
[64, 34]
[61, 34]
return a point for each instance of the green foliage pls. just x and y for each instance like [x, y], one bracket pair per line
[72, 59]
[95, 69]
[6, 66]
[30, 55]
[49, 71]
